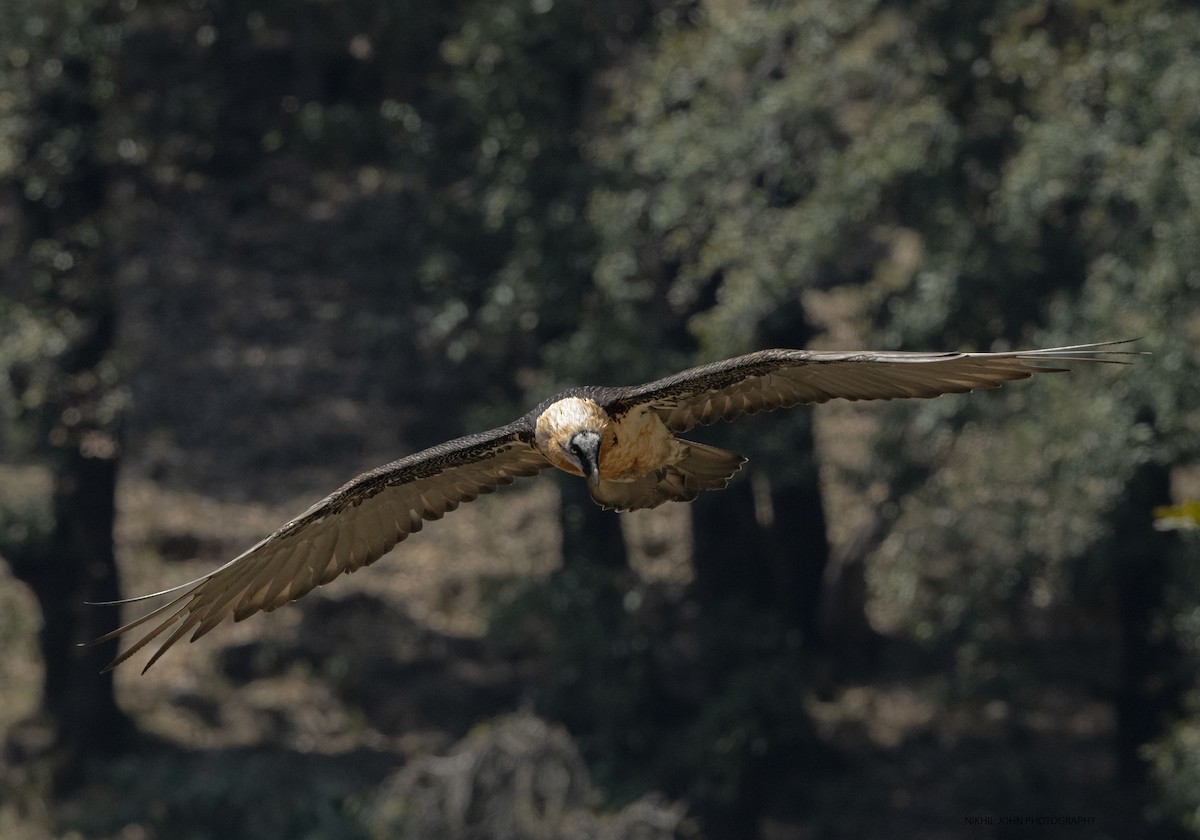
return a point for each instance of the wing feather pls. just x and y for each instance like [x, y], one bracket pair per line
[349, 529]
[771, 379]
[364, 519]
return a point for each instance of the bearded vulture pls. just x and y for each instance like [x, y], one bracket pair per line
[623, 441]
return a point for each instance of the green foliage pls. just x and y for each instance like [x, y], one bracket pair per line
[1176, 763]
[1089, 216]
[980, 175]
[26, 523]
[752, 732]
[223, 794]
[710, 713]
[55, 323]
[753, 729]
[488, 199]
[1092, 182]
[604, 678]
[50, 406]
[753, 154]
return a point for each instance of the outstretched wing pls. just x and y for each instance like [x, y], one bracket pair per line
[771, 379]
[353, 527]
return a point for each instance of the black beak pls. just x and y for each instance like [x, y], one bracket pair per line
[586, 447]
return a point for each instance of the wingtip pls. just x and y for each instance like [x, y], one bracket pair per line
[1097, 352]
[112, 666]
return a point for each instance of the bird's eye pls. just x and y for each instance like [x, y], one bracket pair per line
[577, 451]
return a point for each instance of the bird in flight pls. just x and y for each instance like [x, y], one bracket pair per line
[624, 441]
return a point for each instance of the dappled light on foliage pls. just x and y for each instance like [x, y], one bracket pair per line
[249, 248]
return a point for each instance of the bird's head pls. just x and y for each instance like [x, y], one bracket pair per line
[572, 434]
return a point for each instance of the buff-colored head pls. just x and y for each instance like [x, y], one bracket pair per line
[572, 433]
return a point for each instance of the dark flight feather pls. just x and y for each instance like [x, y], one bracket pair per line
[362, 520]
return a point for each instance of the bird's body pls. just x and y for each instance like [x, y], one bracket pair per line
[624, 441]
[636, 461]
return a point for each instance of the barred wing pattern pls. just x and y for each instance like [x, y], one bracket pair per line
[363, 520]
[351, 528]
[771, 379]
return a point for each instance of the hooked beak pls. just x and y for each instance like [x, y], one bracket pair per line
[586, 447]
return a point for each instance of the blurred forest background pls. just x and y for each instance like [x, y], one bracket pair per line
[249, 248]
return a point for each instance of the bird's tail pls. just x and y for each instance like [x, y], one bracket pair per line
[705, 467]
[702, 467]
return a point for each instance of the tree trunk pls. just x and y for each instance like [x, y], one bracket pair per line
[729, 555]
[590, 534]
[77, 716]
[760, 556]
[63, 264]
[76, 425]
[798, 553]
[763, 541]
[1153, 673]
